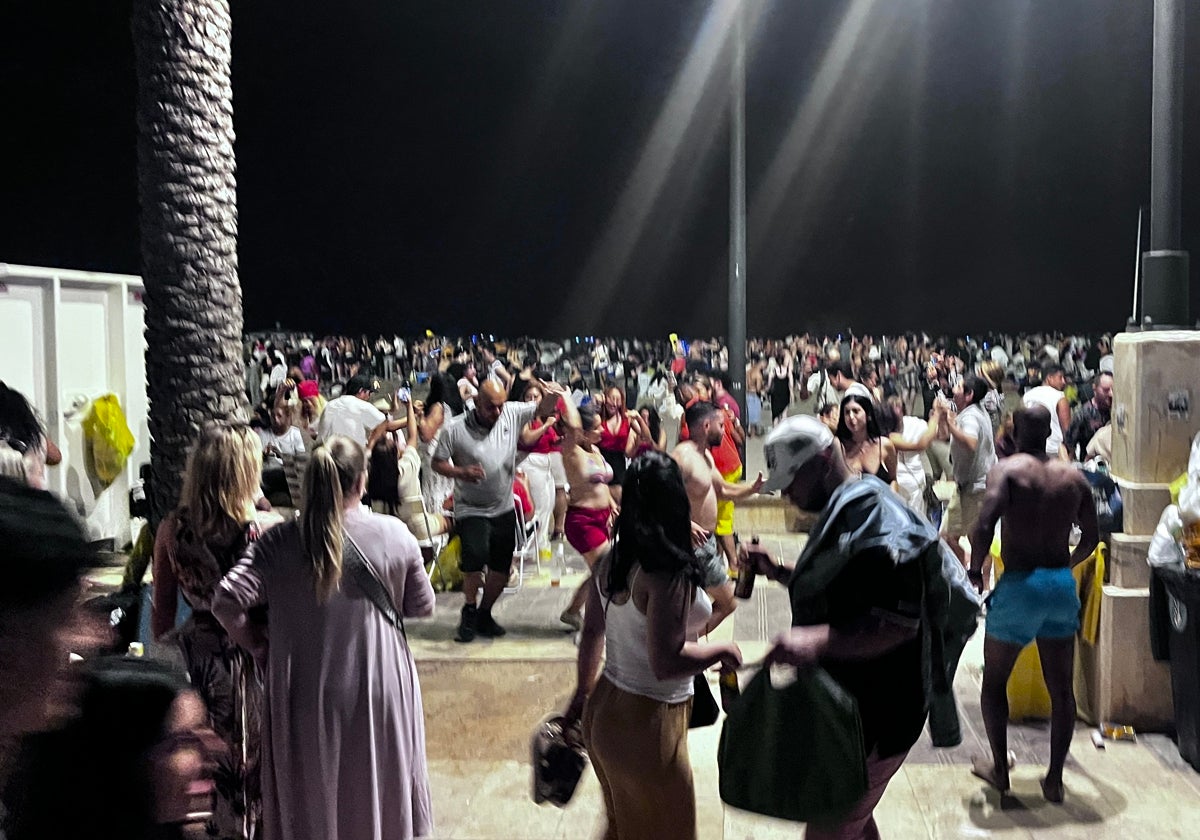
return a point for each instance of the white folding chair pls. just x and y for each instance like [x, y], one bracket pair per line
[526, 545]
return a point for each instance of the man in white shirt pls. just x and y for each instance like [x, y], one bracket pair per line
[972, 454]
[1050, 396]
[282, 438]
[351, 414]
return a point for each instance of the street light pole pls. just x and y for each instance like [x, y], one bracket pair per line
[737, 214]
[1165, 266]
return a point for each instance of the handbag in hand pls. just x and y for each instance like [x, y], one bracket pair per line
[793, 753]
[704, 705]
[558, 758]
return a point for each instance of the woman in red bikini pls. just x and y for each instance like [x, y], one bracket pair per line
[618, 440]
[591, 507]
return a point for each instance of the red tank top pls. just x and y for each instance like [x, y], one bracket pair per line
[614, 442]
[546, 444]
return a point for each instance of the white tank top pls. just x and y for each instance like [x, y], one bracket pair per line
[627, 659]
[910, 472]
[1048, 397]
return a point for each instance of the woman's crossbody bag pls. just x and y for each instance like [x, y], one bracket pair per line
[360, 569]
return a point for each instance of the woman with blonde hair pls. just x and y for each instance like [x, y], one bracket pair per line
[194, 547]
[344, 745]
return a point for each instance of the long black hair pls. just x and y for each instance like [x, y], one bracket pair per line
[654, 528]
[653, 423]
[19, 425]
[868, 408]
[443, 388]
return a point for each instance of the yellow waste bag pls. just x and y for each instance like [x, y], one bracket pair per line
[108, 438]
[446, 572]
[1027, 693]
[1177, 486]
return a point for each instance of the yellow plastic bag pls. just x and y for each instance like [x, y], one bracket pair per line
[1028, 696]
[446, 572]
[108, 437]
[1176, 486]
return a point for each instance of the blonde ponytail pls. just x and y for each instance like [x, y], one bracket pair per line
[333, 470]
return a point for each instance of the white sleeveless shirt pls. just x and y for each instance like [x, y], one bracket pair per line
[627, 660]
[1046, 396]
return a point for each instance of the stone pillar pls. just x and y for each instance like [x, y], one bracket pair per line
[1156, 380]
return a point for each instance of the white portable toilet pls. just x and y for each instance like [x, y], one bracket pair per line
[67, 337]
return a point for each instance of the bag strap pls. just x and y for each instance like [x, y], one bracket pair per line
[360, 569]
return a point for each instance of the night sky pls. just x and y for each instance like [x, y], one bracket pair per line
[546, 167]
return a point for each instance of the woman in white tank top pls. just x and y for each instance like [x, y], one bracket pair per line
[645, 604]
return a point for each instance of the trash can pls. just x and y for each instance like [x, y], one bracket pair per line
[1183, 609]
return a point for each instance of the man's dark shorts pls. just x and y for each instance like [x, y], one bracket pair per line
[488, 541]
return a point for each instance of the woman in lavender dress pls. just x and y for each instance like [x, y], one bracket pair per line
[343, 725]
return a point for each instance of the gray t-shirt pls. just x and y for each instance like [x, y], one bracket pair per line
[465, 442]
[971, 468]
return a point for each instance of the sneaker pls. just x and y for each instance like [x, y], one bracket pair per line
[485, 625]
[572, 619]
[467, 624]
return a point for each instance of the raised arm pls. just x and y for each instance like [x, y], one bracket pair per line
[967, 440]
[384, 428]
[635, 434]
[735, 492]
[432, 420]
[552, 394]
[921, 443]
[412, 428]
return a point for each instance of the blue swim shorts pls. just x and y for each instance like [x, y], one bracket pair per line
[1035, 604]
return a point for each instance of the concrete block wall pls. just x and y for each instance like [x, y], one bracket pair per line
[1156, 380]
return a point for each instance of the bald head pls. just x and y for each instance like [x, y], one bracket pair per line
[1031, 428]
[489, 402]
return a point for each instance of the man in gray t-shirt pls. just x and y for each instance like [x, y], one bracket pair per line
[972, 454]
[478, 450]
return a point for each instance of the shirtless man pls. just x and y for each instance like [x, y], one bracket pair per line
[705, 486]
[1039, 498]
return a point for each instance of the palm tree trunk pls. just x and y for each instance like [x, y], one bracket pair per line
[188, 227]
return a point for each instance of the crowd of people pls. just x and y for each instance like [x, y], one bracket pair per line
[298, 710]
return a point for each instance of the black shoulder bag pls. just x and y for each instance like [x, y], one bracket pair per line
[357, 566]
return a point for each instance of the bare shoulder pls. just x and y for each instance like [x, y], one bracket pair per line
[1068, 472]
[686, 454]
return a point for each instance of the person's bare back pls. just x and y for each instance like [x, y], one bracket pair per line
[1038, 498]
[1045, 498]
